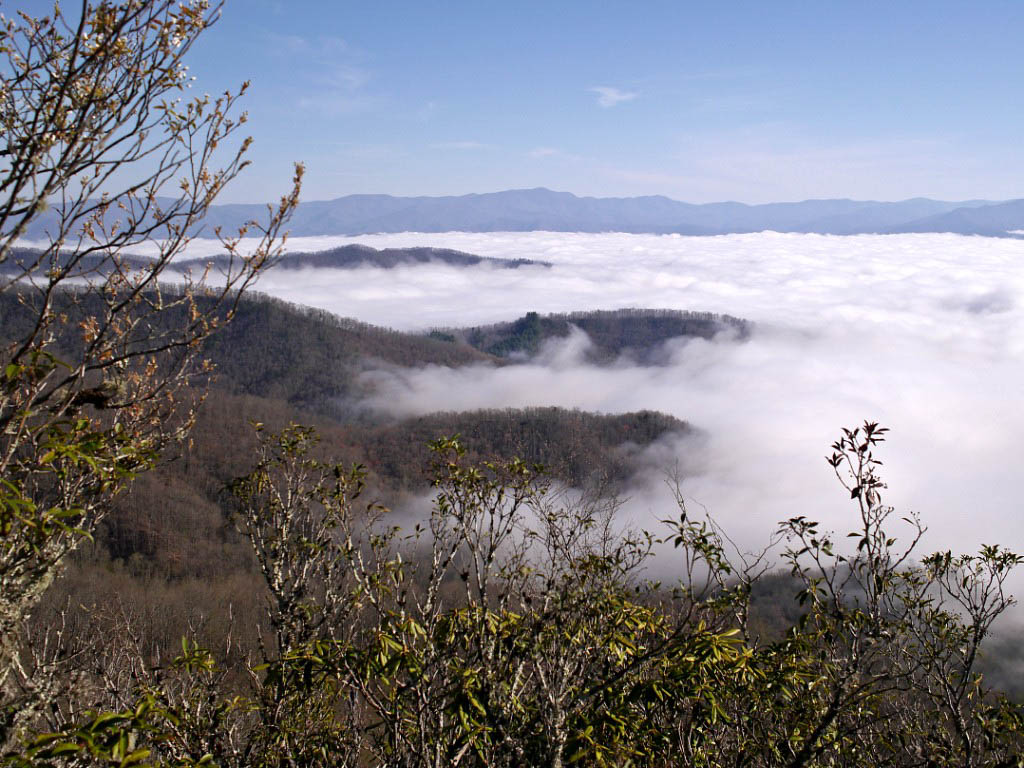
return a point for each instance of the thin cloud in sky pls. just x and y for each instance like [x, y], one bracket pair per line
[295, 44]
[776, 161]
[460, 145]
[331, 66]
[608, 96]
[338, 102]
[427, 111]
[346, 77]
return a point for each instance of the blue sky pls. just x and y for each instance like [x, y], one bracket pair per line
[700, 101]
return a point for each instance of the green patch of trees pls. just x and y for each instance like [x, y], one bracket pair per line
[637, 333]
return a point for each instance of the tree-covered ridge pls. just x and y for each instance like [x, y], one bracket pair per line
[313, 359]
[174, 520]
[638, 333]
[352, 256]
[22, 260]
[270, 348]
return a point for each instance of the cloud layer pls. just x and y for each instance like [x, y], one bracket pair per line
[924, 333]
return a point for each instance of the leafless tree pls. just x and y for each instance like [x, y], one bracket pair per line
[104, 153]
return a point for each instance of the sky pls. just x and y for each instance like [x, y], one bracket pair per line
[699, 101]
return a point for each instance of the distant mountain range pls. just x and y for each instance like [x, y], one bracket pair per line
[542, 209]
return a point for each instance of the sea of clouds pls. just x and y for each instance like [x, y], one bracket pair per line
[923, 333]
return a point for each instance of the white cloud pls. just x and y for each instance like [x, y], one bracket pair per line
[564, 159]
[924, 333]
[609, 97]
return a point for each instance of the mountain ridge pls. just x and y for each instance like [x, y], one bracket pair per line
[520, 210]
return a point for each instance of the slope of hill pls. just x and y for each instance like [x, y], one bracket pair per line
[170, 545]
[176, 520]
[307, 361]
[581, 449]
[307, 358]
[169, 548]
[311, 359]
[31, 260]
[990, 220]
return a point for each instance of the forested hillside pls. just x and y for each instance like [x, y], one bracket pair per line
[170, 548]
[277, 363]
[311, 359]
[280, 363]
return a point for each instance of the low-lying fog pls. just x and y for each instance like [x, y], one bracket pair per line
[924, 333]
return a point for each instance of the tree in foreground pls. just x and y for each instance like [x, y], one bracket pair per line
[104, 154]
[515, 626]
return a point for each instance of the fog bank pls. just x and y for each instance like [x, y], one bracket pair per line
[924, 333]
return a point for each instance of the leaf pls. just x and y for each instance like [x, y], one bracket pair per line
[106, 719]
[65, 747]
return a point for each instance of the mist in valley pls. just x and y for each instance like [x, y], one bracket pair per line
[922, 333]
